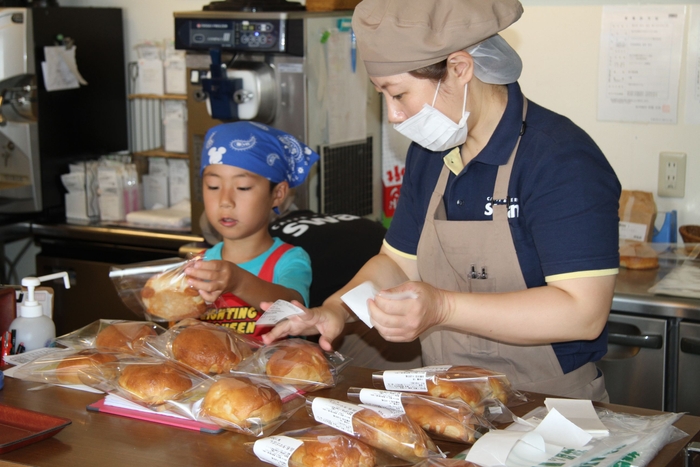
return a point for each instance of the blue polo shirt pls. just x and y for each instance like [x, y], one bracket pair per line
[563, 198]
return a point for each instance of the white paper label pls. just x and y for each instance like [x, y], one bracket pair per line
[399, 380]
[383, 411]
[356, 300]
[334, 413]
[276, 450]
[377, 397]
[278, 311]
[632, 231]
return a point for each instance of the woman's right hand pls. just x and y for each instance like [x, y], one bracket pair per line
[326, 321]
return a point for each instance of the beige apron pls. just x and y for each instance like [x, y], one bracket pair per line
[448, 251]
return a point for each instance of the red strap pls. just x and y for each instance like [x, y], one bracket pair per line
[268, 268]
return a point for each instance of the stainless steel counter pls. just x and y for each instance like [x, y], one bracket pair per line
[632, 296]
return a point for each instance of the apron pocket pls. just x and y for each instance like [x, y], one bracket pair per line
[482, 285]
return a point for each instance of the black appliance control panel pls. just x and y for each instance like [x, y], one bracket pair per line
[241, 35]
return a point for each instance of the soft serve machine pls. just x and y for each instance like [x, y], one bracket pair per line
[276, 66]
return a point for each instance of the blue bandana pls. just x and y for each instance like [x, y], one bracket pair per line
[260, 149]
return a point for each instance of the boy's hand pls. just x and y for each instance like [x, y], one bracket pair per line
[212, 278]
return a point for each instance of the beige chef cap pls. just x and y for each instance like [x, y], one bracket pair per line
[398, 36]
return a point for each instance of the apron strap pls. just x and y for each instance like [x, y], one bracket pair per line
[500, 190]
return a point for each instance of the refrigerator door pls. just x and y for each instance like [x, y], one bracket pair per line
[634, 366]
[689, 369]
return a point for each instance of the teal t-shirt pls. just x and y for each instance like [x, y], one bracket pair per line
[293, 269]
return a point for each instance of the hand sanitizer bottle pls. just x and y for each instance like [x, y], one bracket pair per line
[34, 329]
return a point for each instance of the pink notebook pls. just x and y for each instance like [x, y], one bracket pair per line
[100, 406]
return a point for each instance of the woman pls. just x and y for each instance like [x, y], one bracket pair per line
[506, 231]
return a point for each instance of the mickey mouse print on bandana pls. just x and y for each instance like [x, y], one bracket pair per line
[261, 149]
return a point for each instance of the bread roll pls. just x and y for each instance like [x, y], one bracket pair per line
[68, 368]
[452, 424]
[168, 296]
[120, 337]
[397, 436]
[208, 350]
[638, 256]
[470, 384]
[299, 360]
[498, 384]
[153, 383]
[332, 451]
[242, 402]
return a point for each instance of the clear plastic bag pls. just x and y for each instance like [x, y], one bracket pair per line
[633, 440]
[297, 362]
[204, 347]
[451, 420]
[109, 335]
[250, 405]
[473, 385]
[146, 381]
[319, 446]
[63, 366]
[384, 429]
[445, 463]
[158, 290]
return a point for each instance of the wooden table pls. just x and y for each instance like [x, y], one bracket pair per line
[108, 440]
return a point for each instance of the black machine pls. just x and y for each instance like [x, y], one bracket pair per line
[42, 132]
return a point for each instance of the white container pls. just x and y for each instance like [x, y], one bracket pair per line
[34, 329]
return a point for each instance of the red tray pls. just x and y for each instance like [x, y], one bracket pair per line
[20, 427]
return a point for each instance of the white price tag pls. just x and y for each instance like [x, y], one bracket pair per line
[334, 413]
[278, 311]
[276, 450]
[377, 397]
[401, 380]
[632, 231]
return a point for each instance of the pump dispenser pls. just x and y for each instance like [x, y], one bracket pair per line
[34, 329]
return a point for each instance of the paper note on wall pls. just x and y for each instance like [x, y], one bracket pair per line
[692, 73]
[60, 69]
[640, 62]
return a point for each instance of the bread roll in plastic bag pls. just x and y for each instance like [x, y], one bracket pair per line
[202, 346]
[158, 290]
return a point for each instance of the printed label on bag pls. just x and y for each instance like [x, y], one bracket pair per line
[401, 380]
[278, 311]
[276, 450]
[387, 399]
[633, 231]
[334, 413]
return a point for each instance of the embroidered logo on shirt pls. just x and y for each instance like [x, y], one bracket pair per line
[512, 203]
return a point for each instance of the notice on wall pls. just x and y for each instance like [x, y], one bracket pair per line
[692, 69]
[640, 61]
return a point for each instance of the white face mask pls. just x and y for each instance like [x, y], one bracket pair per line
[434, 130]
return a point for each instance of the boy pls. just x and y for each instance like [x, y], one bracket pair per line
[247, 170]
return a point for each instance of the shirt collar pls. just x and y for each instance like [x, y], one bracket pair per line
[499, 148]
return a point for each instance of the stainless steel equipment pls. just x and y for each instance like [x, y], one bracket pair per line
[689, 368]
[653, 358]
[635, 364]
[20, 187]
[270, 67]
[42, 132]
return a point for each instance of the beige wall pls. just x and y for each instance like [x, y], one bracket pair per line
[559, 47]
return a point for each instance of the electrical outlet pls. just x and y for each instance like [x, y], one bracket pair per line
[672, 174]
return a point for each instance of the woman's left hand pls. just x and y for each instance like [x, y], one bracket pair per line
[402, 313]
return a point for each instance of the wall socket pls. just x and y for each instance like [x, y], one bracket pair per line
[672, 174]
